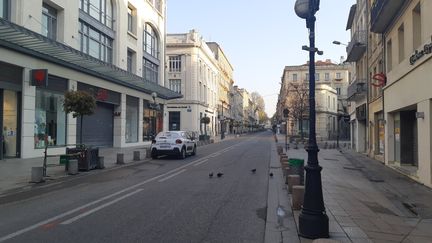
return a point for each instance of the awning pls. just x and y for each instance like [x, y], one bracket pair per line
[23, 40]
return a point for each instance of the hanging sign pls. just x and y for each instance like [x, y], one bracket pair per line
[380, 78]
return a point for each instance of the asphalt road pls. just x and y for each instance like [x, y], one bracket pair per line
[164, 200]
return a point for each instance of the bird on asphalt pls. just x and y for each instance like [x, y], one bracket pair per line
[211, 174]
[271, 174]
[219, 174]
[253, 171]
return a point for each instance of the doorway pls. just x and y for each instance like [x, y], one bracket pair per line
[10, 106]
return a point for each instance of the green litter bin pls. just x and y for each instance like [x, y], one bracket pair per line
[64, 159]
[297, 168]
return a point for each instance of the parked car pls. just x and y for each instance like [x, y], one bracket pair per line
[179, 143]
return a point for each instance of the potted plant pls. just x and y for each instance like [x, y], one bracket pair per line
[205, 120]
[80, 104]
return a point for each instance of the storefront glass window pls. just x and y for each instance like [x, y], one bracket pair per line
[131, 119]
[152, 121]
[50, 119]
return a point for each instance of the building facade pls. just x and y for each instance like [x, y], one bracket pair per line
[406, 30]
[357, 89]
[225, 90]
[331, 98]
[112, 49]
[194, 72]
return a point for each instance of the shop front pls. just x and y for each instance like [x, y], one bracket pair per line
[10, 110]
[152, 120]
[98, 128]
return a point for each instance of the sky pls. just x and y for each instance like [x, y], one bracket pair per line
[260, 37]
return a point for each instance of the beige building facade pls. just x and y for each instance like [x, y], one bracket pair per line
[408, 91]
[194, 72]
[331, 98]
[112, 49]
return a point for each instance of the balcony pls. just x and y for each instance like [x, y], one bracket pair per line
[357, 47]
[357, 90]
[383, 12]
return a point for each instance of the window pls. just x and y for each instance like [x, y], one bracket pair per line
[175, 85]
[50, 119]
[307, 77]
[4, 9]
[100, 10]
[95, 43]
[152, 121]
[49, 21]
[416, 15]
[130, 19]
[150, 71]
[151, 45]
[175, 64]
[338, 90]
[131, 61]
[327, 76]
[338, 76]
[294, 77]
[401, 43]
[131, 119]
[317, 77]
[389, 56]
[158, 5]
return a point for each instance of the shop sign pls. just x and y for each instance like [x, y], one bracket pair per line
[380, 78]
[427, 49]
[210, 112]
[39, 77]
[102, 95]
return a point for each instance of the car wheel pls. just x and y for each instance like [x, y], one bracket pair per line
[182, 154]
[194, 150]
[154, 154]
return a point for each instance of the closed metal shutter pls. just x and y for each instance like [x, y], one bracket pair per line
[98, 128]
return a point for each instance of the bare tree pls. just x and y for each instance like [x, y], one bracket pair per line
[297, 102]
[259, 104]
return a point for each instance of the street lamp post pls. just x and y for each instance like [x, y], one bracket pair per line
[286, 113]
[313, 220]
[222, 122]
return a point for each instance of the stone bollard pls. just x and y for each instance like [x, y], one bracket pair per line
[285, 165]
[293, 180]
[287, 172]
[136, 155]
[73, 167]
[120, 159]
[37, 174]
[101, 162]
[283, 158]
[297, 197]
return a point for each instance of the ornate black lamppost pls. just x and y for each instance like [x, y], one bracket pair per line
[313, 220]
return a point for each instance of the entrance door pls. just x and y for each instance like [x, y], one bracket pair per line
[98, 128]
[174, 121]
[10, 117]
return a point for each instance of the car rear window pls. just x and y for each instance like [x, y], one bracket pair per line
[167, 135]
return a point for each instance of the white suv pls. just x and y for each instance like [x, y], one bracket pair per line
[178, 143]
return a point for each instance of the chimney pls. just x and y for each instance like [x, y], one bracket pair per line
[342, 59]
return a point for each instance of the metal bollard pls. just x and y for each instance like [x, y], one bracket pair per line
[73, 167]
[136, 155]
[120, 159]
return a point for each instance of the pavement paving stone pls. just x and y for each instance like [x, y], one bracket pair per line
[417, 239]
[354, 232]
[422, 229]
[385, 236]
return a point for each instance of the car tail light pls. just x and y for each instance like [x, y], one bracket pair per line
[179, 141]
[153, 141]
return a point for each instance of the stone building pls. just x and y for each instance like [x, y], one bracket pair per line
[113, 49]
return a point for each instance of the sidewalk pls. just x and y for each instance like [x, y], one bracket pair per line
[369, 202]
[15, 174]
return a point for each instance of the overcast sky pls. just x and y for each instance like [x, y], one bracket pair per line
[260, 37]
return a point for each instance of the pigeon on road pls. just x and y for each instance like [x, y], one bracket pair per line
[253, 171]
[271, 174]
[219, 174]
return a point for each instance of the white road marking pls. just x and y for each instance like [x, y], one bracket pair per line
[172, 175]
[34, 226]
[79, 216]
[201, 162]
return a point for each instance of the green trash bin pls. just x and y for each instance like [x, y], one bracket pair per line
[297, 168]
[64, 159]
